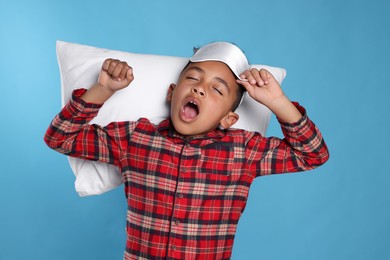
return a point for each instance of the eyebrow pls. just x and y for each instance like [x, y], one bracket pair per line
[221, 80]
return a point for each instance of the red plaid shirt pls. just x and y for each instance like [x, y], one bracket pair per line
[185, 197]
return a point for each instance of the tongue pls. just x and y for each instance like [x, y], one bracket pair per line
[190, 111]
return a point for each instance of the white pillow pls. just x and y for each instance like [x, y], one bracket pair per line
[79, 68]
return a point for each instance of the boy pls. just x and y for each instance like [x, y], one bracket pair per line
[187, 179]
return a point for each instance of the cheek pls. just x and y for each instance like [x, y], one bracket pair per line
[216, 112]
[175, 98]
[221, 105]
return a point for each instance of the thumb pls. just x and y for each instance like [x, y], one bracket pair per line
[248, 86]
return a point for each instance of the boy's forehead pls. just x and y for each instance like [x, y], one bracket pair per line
[224, 52]
[220, 69]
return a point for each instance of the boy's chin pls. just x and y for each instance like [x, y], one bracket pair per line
[194, 129]
[189, 131]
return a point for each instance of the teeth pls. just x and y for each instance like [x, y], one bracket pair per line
[192, 102]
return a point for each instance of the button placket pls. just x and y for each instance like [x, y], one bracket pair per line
[188, 154]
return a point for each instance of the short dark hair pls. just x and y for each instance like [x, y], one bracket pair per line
[240, 90]
[240, 93]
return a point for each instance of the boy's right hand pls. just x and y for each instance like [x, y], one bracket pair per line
[115, 75]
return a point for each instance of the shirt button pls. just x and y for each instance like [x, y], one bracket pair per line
[184, 170]
[176, 221]
[180, 195]
[188, 146]
[173, 247]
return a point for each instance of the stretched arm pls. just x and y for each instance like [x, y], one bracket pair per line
[303, 147]
[70, 132]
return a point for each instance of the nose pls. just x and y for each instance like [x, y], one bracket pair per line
[199, 91]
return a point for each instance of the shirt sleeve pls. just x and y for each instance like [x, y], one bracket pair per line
[303, 148]
[71, 134]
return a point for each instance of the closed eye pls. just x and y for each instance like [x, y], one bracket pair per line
[192, 78]
[218, 91]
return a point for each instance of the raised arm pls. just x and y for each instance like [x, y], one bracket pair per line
[70, 132]
[114, 75]
[302, 147]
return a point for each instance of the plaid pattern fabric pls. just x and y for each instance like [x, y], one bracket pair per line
[185, 197]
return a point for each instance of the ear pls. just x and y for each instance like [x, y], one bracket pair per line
[170, 92]
[229, 120]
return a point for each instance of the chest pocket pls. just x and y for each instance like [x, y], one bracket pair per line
[217, 158]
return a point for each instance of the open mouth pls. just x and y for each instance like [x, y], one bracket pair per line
[190, 110]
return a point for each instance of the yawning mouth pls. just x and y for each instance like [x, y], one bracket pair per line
[190, 110]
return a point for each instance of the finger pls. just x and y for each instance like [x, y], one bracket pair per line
[265, 75]
[248, 75]
[256, 75]
[248, 86]
[118, 70]
[242, 76]
[112, 66]
[130, 74]
[106, 64]
[123, 74]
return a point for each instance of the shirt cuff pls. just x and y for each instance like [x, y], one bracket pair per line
[300, 124]
[79, 107]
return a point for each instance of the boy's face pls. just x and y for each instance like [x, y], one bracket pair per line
[203, 98]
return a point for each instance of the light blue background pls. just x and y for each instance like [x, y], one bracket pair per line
[337, 57]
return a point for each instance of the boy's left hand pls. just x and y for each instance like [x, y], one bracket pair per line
[261, 86]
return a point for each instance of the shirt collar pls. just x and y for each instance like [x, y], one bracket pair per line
[166, 128]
